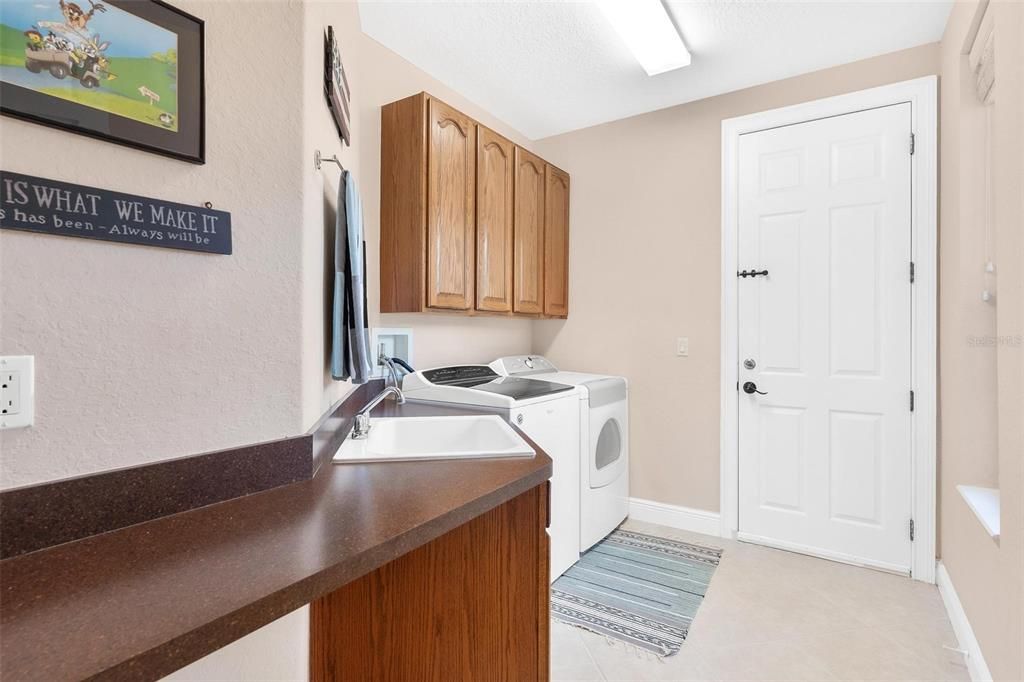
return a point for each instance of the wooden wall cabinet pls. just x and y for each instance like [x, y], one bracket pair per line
[494, 210]
[556, 242]
[451, 207]
[464, 218]
[529, 233]
[471, 605]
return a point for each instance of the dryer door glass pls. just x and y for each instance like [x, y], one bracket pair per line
[609, 445]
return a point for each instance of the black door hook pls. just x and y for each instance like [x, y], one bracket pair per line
[752, 273]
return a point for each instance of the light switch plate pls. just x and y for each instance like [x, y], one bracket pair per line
[17, 391]
[683, 346]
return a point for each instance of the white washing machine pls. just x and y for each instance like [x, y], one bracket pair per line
[604, 441]
[547, 412]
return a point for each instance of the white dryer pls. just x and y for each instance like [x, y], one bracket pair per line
[604, 441]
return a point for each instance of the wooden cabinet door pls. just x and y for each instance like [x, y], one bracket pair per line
[451, 213]
[471, 605]
[494, 205]
[556, 242]
[529, 233]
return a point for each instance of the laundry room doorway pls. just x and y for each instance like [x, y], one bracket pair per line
[829, 328]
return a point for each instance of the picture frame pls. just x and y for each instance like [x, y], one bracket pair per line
[336, 87]
[130, 72]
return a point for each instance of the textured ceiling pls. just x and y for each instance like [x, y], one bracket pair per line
[547, 67]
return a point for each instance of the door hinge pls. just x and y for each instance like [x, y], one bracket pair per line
[911, 530]
[913, 272]
[911, 401]
[913, 143]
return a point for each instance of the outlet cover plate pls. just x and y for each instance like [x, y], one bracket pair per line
[394, 342]
[682, 346]
[17, 391]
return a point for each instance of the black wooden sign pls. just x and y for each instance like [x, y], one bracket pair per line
[52, 207]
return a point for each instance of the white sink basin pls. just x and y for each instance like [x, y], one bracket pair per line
[405, 439]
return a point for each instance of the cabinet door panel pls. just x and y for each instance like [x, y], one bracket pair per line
[403, 205]
[494, 210]
[451, 213]
[472, 604]
[556, 242]
[529, 233]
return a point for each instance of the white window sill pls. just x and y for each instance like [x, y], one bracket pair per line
[984, 502]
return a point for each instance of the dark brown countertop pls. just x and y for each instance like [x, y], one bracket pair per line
[143, 601]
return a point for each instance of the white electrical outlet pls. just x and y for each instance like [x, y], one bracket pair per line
[10, 392]
[17, 391]
[682, 346]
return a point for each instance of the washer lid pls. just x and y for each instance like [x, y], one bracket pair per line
[483, 378]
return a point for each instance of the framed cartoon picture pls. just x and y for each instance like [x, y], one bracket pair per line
[126, 71]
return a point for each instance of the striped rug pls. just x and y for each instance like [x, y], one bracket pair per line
[638, 588]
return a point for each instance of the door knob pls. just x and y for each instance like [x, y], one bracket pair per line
[751, 387]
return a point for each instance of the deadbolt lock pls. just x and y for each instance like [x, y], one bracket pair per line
[749, 363]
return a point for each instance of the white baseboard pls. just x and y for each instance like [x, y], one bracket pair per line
[976, 666]
[680, 518]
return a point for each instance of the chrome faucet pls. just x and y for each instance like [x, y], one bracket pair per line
[362, 421]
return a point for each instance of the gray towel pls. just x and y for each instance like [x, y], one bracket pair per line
[350, 354]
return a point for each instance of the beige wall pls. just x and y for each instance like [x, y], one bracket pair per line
[145, 354]
[982, 409]
[378, 76]
[277, 652]
[645, 266]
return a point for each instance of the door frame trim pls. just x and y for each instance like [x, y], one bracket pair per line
[921, 93]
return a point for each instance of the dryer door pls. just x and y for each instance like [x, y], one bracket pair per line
[609, 431]
[608, 451]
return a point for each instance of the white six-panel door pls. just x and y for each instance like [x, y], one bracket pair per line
[825, 453]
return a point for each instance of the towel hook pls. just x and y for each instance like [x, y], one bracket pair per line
[319, 159]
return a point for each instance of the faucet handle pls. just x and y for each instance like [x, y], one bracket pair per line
[362, 426]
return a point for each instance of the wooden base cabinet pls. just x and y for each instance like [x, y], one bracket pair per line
[469, 221]
[471, 605]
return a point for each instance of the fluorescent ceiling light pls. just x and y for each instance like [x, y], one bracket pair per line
[648, 32]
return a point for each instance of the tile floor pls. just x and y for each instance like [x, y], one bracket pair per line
[774, 615]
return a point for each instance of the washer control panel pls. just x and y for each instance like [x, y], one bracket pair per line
[524, 364]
